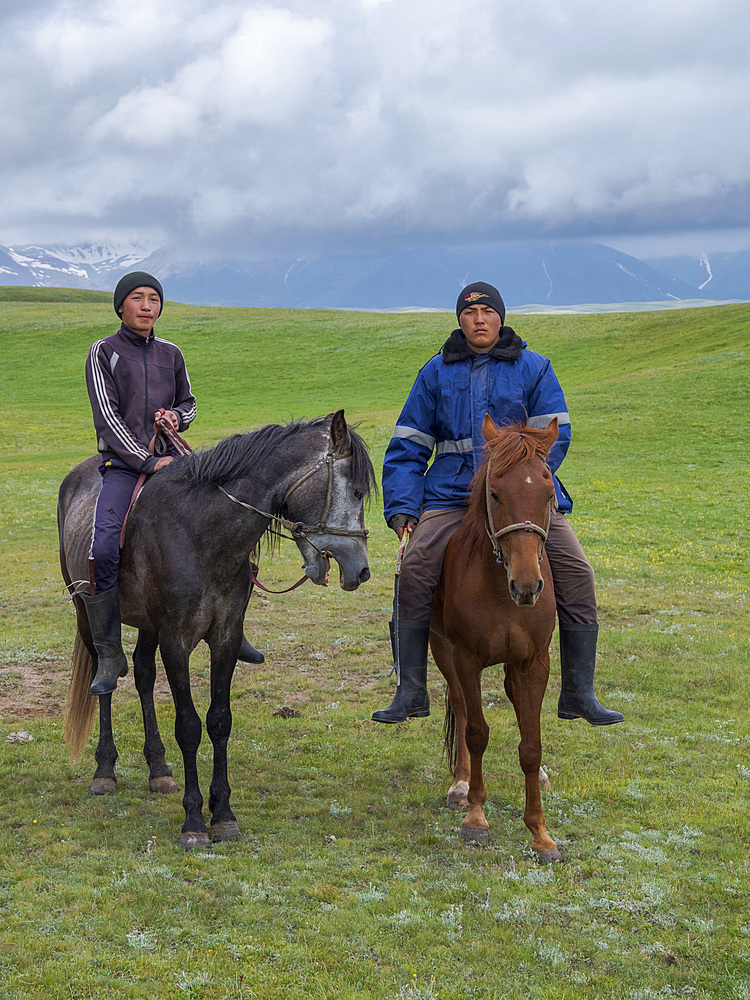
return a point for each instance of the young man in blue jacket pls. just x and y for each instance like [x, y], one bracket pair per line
[132, 377]
[483, 367]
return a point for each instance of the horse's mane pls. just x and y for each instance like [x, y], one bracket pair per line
[220, 464]
[233, 455]
[514, 443]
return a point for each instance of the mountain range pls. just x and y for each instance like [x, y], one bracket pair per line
[530, 275]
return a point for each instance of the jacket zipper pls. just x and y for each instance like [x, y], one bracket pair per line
[145, 379]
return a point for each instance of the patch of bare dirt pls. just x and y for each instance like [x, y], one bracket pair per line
[31, 690]
[35, 690]
[39, 689]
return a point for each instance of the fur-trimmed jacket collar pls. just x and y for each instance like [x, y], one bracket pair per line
[508, 347]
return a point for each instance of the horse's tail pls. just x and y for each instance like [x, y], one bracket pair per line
[449, 732]
[79, 705]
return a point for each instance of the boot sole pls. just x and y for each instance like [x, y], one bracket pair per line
[591, 722]
[420, 714]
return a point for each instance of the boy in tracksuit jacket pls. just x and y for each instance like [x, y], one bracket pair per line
[132, 378]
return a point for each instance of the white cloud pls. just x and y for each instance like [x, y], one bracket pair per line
[272, 123]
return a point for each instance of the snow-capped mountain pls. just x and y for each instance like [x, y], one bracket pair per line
[89, 266]
[534, 274]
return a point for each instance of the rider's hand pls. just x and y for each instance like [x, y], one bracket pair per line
[401, 523]
[170, 416]
[163, 462]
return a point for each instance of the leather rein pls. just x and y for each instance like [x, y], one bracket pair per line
[495, 534]
[181, 447]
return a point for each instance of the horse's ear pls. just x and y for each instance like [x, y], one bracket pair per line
[550, 434]
[489, 430]
[340, 434]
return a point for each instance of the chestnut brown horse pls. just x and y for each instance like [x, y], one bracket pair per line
[495, 604]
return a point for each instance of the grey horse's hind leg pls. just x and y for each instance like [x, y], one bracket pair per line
[106, 753]
[160, 778]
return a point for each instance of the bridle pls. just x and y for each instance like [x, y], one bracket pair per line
[298, 529]
[495, 534]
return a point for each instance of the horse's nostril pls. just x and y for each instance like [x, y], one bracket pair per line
[364, 576]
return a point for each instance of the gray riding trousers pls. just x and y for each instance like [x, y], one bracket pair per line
[575, 591]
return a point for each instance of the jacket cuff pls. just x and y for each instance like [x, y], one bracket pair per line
[401, 520]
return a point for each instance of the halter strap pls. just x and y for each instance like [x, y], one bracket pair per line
[496, 534]
[299, 529]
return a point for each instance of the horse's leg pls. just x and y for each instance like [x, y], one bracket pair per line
[105, 780]
[442, 651]
[219, 725]
[160, 778]
[187, 730]
[525, 688]
[469, 671]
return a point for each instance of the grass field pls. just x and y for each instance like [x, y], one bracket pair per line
[98, 900]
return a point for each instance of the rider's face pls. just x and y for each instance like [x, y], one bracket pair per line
[481, 326]
[140, 310]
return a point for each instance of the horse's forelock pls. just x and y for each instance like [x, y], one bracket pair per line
[512, 445]
[515, 443]
[361, 471]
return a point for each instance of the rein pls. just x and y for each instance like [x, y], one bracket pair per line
[496, 534]
[181, 447]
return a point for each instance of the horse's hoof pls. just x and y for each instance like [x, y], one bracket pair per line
[190, 840]
[549, 857]
[165, 785]
[457, 796]
[475, 834]
[226, 830]
[103, 786]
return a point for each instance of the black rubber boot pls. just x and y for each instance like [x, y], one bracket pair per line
[578, 662]
[249, 654]
[103, 611]
[411, 699]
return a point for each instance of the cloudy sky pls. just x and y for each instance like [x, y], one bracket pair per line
[292, 126]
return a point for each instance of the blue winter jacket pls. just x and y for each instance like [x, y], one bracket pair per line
[444, 413]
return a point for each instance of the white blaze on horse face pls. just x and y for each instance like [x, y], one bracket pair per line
[529, 480]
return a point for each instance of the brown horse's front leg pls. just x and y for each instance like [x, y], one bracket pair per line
[455, 721]
[525, 688]
[469, 669]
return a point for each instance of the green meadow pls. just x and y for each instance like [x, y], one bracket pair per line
[351, 880]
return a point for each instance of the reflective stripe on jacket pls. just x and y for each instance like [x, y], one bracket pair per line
[444, 414]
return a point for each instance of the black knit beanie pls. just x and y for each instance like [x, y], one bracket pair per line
[480, 293]
[136, 279]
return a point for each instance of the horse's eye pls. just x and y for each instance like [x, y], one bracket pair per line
[494, 497]
[358, 494]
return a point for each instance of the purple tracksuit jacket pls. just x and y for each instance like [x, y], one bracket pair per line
[128, 378]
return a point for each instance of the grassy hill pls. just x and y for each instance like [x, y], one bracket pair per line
[98, 899]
